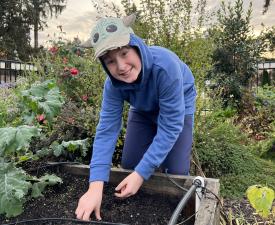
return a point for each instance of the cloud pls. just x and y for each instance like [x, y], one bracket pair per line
[80, 15]
[76, 21]
[257, 16]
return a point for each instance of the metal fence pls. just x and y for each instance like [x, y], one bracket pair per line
[11, 69]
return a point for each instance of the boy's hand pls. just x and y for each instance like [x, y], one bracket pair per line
[129, 186]
[90, 201]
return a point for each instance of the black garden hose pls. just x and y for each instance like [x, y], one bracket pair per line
[183, 202]
[64, 220]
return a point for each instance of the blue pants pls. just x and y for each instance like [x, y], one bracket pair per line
[142, 128]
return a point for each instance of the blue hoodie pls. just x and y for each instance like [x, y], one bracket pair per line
[166, 87]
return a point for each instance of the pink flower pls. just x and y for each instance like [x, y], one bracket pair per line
[85, 98]
[74, 71]
[40, 118]
[53, 50]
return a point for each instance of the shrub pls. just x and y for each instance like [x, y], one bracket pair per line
[220, 150]
[225, 152]
[257, 112]
[9, 110]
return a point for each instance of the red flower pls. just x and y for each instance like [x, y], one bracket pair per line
[53, 50]
[40, 118]
[74, 71]
[85, 98]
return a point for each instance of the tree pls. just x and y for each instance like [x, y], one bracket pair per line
[266, 5]
[236, 54]
[16, 19]
[165, 23]
[40, 10]
[14, 30]
[176, 25]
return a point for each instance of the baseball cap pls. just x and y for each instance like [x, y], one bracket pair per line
[110, 33]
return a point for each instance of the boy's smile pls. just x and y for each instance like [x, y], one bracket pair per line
[124, 64]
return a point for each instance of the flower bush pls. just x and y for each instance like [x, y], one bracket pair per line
[80, 79]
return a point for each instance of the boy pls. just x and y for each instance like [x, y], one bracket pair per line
[161, 92]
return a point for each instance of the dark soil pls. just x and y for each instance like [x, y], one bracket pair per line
[241, 212]
[60, 201]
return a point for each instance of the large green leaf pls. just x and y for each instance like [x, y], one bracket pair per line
[13, 189]
[82, 145]
[15, 185]
[43, 98]
[15, 139]
[51, 104]
[57, 148]
[6, 138]
[46, 180]
[71, 146]
[261, 198]
[39, 90]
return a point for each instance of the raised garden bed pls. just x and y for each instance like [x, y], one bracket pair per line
[153, 204]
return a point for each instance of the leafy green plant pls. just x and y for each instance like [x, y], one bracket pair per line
[42, 99]
[79, 146]
[261, 198]
[265, 96]
[8, 108]
[15, 141]
[41, 183]
[15, 185]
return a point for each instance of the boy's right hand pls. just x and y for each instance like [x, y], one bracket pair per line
[90, 202]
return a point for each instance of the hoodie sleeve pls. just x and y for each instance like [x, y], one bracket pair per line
[107, 132]
[170, 121]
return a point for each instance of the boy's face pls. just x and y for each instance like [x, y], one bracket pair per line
[124, 64]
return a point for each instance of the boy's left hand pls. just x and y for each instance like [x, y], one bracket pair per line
[129, 186]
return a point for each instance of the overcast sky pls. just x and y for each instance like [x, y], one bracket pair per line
[79, 16]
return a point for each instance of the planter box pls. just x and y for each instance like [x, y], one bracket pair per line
[208, 209]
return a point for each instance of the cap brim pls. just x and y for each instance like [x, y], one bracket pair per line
[111, 43]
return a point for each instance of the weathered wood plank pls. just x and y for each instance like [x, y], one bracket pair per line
[209, 210]
[158, 182]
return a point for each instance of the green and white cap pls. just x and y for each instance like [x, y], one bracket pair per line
[110, 33]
